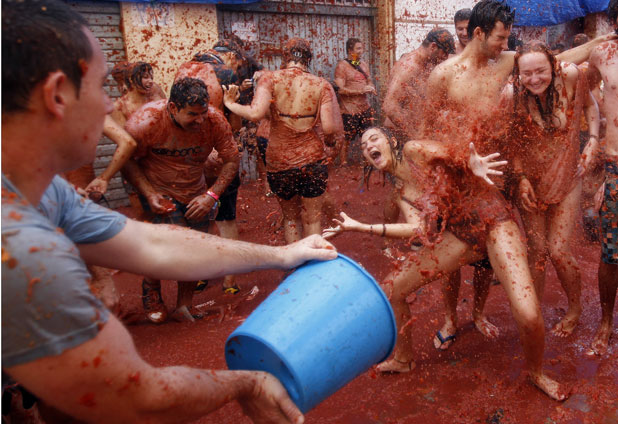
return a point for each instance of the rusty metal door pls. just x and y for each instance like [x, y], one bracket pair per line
[266, 26]
[104, 21]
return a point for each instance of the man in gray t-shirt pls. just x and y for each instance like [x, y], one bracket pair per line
[58, 341]
[38, 247]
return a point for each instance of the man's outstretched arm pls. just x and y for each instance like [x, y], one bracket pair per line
[105, 380]
[174, 253]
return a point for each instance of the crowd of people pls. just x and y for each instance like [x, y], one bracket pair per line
[490, 145]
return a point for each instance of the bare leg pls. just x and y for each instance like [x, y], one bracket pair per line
[507, 255]
[450, 293]
[184, 302]
[329, 210]
[482, 280]
[228, 230]
[560, 231]
[343, 152]
[419, 268]
[311, 215]
[608, 282]
[534, 224]
[292, 225]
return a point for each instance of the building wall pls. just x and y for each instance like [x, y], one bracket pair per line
[167, 34]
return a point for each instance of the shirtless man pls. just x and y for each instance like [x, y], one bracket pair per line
[408, 79]
[464, 95]
[174, 140]
[353, 80]
[603, 64]
[462, 16]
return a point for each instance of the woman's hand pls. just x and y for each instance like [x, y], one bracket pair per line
[526, 195]
[482, 167]
[231, 94]
[346, 224]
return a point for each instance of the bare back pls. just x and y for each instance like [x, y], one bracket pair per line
[206, 73]
[297, 97]
[604, 59]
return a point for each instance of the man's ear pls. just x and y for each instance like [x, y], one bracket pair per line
[433, 47]
[57, 91]
[478, 33]
[172, 108]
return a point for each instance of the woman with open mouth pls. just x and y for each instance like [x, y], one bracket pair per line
[453, 216]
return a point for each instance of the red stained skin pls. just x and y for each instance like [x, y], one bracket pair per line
[468, 383]
[87, 400]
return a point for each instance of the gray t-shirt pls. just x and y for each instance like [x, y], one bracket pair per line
[47, 305]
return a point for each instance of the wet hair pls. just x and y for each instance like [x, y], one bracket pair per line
[580, 39]
[40, 37]
[120, 73]
[396, 152]
[462, 15]
[236, 39]
[226, 45]
[487, 13]
[138, 71]
[513, 43]
[297, 50]
[521, 94]
[349, 45]
[612, 11]
[443, 39]
[189, 92]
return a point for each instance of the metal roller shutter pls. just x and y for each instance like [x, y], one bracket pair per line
[104, 20]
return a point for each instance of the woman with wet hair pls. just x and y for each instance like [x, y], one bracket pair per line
[296, 157]
[454, 216]
[547, 99]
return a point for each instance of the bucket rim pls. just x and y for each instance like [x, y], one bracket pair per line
[380, 291]
[296, 377]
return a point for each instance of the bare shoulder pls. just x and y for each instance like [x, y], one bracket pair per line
[146, 117]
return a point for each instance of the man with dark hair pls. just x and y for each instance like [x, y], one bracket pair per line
[603, 66]
[462, 16]
[58, 341]
[463, 107]
[353, 81]
[408, 80]
[174, 140]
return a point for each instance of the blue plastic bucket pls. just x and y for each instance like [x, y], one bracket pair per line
[327, 323]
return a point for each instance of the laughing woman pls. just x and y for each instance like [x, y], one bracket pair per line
[458, 217]
[547, 98]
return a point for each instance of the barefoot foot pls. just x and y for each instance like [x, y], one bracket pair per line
[486, 328]
[551, 387]
[566, 326]
[395, 365]
[601, 341]
[185, 314]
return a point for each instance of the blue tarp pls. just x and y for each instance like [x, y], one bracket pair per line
[553, 12]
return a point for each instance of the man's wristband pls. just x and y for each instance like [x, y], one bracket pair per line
[213, 195]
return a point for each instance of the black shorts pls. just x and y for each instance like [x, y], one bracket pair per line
[355, 125]
[307, 181]
[227, 208]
